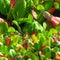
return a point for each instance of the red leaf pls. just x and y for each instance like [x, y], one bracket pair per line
[55, 21]
[8, 41]
[52, 10]
[14, 58]
[34, 33]
[25, 45]
[43, 47]
[12, 2]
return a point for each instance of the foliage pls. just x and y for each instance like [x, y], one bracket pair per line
[32, 40]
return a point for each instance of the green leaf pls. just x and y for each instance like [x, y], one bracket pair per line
[20, 8]
[58, 45]
[34, 26]
[22, 20]
[15, 39]
[43, 39]
[33, 56]
[38, 46]
[47, 52]
[40, 18]
[30, 18]
[58, 53]
[11, 30]
[4, 50]
[42, 57]
[12, 52]
[28, 29]
[40, 7]
[4, 6]
[29, 59]
[17, 25]
[48, 5]
[58, 27]
[3, 27]
[56, 5]
[56, 49]
[44, 25]
[53, 54]
[51, 32]
[29, 3]
[36, 2]
[38, 26]
[23, 51]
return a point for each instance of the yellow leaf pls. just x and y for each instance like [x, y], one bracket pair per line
[34, 38]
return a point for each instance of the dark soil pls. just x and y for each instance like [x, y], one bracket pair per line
[3, 16]
[57, 13]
